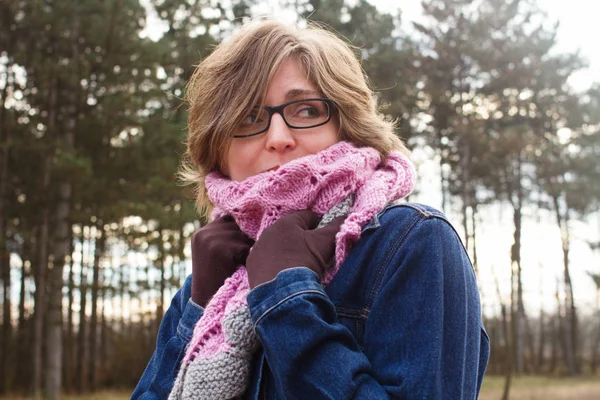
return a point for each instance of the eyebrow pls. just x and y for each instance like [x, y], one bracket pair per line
[299, 92]
[293, 93]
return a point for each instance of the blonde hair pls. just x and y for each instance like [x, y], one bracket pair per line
[235, 76]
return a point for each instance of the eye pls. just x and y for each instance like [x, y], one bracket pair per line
[253, 118]
[309, 110]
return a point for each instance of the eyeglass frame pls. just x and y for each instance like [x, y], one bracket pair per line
[279, 110]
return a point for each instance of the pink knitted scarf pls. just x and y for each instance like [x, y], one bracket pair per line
[317, 182]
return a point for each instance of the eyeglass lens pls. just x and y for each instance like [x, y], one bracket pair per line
[298, 114]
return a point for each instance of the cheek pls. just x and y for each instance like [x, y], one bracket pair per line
[227, 164]
[324, 139]
[231, 161]
[239, 160]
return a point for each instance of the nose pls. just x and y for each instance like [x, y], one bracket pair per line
[279, 135]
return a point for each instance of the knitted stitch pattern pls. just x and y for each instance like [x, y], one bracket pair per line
[340, 180]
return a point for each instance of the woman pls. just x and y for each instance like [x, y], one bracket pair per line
[311, 280]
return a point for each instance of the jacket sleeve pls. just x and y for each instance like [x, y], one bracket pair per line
[175, 332]
[423, 335]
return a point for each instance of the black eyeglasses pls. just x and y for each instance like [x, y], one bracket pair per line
[297, 114]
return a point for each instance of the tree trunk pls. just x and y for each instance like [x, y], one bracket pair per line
[42, 270]
[473, 232]
[122, 292]
[69, 345]
[595, 350]
[23, 367]
[529, 360]
[81, 342]
[563, 339]
[63, 230]
[6, 332]
[21, 324]
[509, 354]
[555, 345]
[539, 363]
[103, 354]
[596, 341]
[181, 272]
[570, 325]
[55, 322]
[556, 332]
[465, 195]
[572, 320]
[508, 368]
[161, 266]
[518, 309]
[99, 240]
[40, 296]
[443, 188]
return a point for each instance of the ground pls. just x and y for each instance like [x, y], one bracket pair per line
[540, 387]
[524, 388]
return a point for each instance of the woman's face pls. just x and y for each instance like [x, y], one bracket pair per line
[280, 144]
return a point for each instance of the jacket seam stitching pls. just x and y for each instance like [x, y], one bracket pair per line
[352, 310]
[184, 337]
[420, 209]
[444, 220]
[353, 316]
[268, 310]
[401, 238]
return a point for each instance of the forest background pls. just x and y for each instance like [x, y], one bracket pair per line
[95, 229]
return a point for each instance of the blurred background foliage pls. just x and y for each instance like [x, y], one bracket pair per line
[93, 222]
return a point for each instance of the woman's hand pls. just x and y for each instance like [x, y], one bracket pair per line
[218, 248]
[291, 242]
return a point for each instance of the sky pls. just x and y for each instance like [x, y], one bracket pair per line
[578, 29]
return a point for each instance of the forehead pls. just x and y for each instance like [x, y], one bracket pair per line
[289, 82]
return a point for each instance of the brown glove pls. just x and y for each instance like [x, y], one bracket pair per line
[291, 242]
[218, 248]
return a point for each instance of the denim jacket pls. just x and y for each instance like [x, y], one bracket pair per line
[401, 319]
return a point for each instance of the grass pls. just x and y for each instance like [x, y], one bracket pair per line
[542, 387]
[103, 395]
[522, 388]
